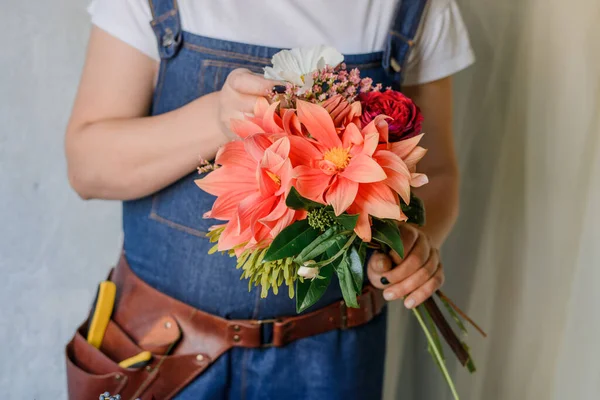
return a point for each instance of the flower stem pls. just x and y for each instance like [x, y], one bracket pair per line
[446, 331]
[438, 356]
[338, 254]
[460, 312]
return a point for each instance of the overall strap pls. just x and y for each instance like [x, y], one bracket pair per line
[167, 27]
[401, 36]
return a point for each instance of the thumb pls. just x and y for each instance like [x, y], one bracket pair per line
[380, 263]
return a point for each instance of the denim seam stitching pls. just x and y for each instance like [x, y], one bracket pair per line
[161, 78]
[258, 60]
[201, 76]
[218, 64]
[217, 76]
[408, 41]
[228, 64]
[365, 65]
[227, 54]
[163, 17]
[158, 218]
[151, 8]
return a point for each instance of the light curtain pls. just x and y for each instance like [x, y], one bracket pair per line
[524, 258]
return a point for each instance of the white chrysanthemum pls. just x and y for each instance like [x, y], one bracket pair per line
[297, 65]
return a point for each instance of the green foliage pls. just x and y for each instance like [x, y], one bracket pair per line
[295, 201]
[320, 245]
[355, 267]
[347, 221]
[415, 211]
[434, 351]
[320, 219]
[269, 274]
[309, 291]
[291, 241]
[386, 231]
[349, 269]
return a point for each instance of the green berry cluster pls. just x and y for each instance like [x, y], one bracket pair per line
[320, 219]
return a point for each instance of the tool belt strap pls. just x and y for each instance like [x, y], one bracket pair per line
[150, 319]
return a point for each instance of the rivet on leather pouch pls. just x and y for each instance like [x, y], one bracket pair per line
[161, 336]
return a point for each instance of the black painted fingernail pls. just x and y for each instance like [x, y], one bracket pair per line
[279, 88]
[384, 281]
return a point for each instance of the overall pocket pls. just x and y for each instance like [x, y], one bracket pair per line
[182, 205]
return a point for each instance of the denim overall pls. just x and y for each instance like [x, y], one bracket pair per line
[165, 243]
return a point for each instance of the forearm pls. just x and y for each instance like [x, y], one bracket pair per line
[440, 196]
[131, 158]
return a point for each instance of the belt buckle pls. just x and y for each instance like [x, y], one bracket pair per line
[262, 322]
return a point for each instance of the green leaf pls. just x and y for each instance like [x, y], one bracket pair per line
[471, 366]
[415, 211]
[470, 363]
[321, 248]
[362, 252]
[386, 231]
[355, 265]
[344, 274]
[291, 241]
[348, 221]
[316, 248]
[308, 292]
[297, 202]
[347, 283]
[454, 315]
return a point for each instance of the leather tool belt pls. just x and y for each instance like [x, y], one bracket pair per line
[183, 340]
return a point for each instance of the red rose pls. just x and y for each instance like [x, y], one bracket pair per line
[406, 117]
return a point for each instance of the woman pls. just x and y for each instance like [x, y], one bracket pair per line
[160, 84]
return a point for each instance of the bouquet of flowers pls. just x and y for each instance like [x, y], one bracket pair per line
[323, 171]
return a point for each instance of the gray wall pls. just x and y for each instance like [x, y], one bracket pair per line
[53, 247]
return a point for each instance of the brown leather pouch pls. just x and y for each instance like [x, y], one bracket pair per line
[92, 371]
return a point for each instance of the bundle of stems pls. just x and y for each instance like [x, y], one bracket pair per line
[432, 321]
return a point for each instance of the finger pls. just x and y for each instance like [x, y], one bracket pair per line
[245, 82]
[414, 281]
[409, 235]
[378, 263]
[243, 104]
[427, 290]
[395, 257]
[418, 256]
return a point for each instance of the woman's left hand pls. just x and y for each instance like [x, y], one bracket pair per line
[415, 277]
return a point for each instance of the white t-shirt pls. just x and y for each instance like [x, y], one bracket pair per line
[441, 49]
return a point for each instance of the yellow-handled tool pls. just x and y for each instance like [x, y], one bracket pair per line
[138, 361]
[101, 313]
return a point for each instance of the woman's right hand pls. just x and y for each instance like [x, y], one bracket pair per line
[238, 96]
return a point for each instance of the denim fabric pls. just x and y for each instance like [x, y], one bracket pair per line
[165, 243]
